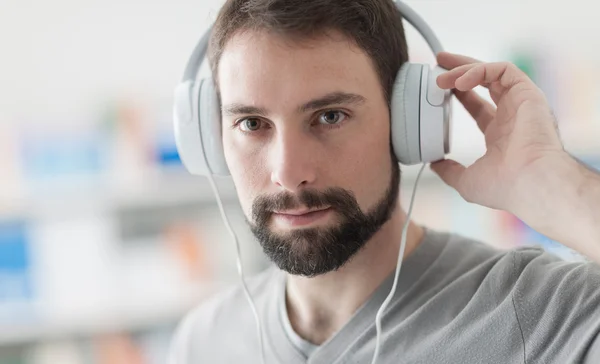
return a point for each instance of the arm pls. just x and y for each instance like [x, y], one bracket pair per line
[525, 169]
[562, 201]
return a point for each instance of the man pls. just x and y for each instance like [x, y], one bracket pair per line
[304, 88]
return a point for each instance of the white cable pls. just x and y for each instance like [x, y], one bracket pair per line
[398, 266]
[249, 297]
[240, 268]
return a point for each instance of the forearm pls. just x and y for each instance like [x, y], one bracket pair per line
[587, 202]
[564, 204]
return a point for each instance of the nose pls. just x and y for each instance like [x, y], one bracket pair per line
[294, 161]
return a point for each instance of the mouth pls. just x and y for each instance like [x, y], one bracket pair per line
[301, 217]
[299, 212]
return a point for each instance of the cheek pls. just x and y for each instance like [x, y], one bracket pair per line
[366, 166]
[247, 172]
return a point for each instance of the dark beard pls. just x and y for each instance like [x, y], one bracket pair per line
[313, 251]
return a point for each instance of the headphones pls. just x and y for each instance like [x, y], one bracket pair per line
[420, 111]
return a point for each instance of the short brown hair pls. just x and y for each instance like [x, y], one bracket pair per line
[374, 25]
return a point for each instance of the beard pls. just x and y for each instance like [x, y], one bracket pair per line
[313, 251]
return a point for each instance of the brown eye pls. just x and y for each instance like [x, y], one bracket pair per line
[250, 124]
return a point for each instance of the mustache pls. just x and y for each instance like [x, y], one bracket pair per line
[337, 198]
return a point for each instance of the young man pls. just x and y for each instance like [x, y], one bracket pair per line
[305, 88]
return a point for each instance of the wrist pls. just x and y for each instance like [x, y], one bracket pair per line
[587, 188]
[557, 198]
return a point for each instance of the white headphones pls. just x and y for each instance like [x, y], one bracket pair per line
[420, 111]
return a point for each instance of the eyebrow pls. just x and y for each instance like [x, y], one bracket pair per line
[334, 98]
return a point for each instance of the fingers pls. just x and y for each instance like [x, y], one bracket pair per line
[482, 111]
[448, 79]
[449, 60]
[450, 172]
[467, 77]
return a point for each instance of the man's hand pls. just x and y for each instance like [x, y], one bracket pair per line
[525, 169]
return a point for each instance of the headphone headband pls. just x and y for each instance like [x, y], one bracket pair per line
[195, 61]
[420, 110]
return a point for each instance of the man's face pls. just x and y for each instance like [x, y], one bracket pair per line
[306, 138]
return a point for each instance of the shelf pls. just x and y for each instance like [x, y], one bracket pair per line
[164, 190]
[179, 188]
[128, 318]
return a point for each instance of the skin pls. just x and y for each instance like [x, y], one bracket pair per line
[293, 150]
[525, 170]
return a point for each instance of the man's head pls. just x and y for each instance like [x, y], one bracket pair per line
[304, 88]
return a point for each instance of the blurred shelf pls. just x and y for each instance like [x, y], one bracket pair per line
[128, 318]
[176, 188]
[170, 189]
[173, 189]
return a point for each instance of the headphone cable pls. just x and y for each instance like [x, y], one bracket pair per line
[398, 266]
[240, 269]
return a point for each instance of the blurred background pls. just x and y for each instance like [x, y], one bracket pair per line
[106, 241]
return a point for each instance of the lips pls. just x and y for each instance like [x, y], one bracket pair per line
[298, 212]
[300, 217]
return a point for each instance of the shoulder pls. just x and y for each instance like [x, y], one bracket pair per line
[530, 271]
[227, 302]
[557, 304]
[460, 255]
[527, 271]
[529, 268]
[220, 317]
[541, 272]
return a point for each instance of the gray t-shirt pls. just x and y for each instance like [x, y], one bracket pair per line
[457, 301]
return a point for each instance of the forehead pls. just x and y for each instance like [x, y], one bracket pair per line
[266, 66]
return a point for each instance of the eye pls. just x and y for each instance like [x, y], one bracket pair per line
[250, 124]
[332, 117]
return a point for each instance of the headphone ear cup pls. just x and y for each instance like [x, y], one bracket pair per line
[435, 115]
[187, 128]
[405, 114]
[209, 119]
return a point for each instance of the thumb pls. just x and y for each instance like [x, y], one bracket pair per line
[450, 172]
